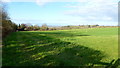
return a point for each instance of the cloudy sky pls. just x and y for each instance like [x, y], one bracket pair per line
[63, 12]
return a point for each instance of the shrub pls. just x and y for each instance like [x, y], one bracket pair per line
[7, 25]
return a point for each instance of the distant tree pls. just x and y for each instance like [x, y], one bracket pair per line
[53, 28]
[44, 27]
[88, 26]
[23, 26]
[29, 24]
[29, 28]
[68, 26]
[18, 26]
[36, 27]
[97, 25]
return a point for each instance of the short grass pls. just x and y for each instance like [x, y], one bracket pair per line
[77, 47]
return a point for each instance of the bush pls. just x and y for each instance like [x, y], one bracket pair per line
[7, 25]
[29, 28]
[44, 27]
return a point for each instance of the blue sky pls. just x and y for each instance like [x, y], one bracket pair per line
[58, 13]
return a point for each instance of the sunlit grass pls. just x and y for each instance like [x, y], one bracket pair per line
[74, 47]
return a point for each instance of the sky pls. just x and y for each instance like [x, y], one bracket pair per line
[63, 12]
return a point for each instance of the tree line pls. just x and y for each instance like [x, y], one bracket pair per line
[44, 27]
[7, 25]
[29, 27]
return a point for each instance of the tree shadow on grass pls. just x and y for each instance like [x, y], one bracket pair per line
[34, 49]
[63, 34]
[75, 56]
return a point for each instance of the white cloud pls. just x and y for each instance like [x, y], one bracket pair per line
[95, 10]
[43, 2]
[6, 0]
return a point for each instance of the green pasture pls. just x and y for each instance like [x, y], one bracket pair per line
[76, 47]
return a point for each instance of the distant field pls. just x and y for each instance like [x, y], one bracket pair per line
[75, 47]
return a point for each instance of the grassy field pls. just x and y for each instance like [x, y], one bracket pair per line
[98, 46]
